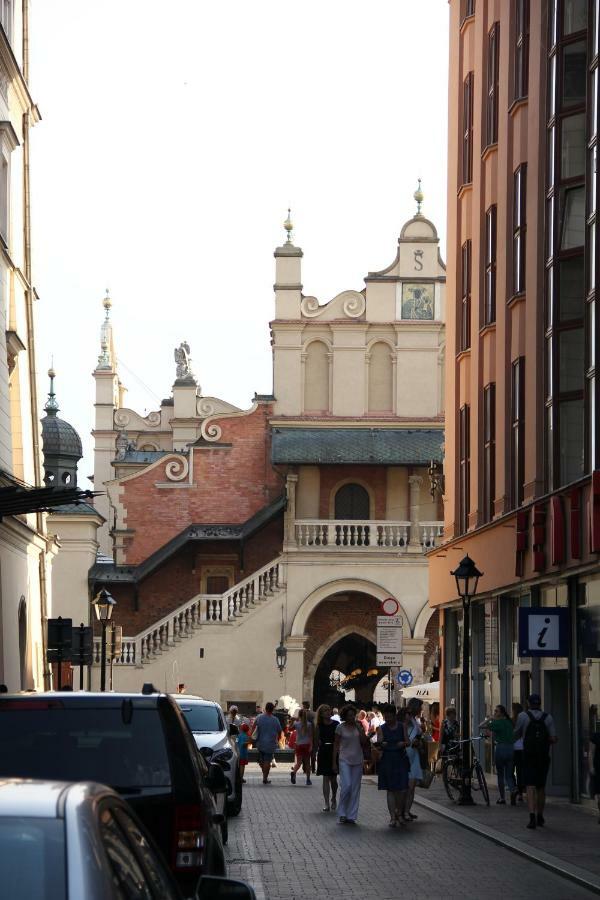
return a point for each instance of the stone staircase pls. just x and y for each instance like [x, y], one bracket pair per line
[203, 609]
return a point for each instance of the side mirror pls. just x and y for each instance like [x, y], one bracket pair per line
[211, 888]
[216, 779]
[233, 730]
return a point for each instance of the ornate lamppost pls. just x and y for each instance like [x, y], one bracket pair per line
[103, 604]
[281, 651]
[467, 576]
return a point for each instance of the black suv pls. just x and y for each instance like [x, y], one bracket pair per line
[139, 745]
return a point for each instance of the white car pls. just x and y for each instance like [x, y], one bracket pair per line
[216, 741]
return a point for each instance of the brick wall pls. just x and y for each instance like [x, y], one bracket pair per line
[232, 484]
[359, 610]
[372, 477]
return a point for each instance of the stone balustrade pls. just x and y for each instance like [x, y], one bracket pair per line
[368, 535]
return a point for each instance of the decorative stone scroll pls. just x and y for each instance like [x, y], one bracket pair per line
[180, 468]
[210, 431]
[352, 304]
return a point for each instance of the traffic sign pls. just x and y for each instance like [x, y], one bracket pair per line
[390, 606]
[404, 677]
[389, 640]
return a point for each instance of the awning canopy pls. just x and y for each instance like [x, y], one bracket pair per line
[364, 446]
[428, 693]
[18, 498]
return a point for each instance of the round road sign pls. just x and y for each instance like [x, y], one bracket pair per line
[390, 607]
[404, 677]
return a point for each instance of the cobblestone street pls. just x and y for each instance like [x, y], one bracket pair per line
[287, 848]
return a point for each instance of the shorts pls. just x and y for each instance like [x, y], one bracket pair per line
[303, 751]
[266, 757]
[535, 770]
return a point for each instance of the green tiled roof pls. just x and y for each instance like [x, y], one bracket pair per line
[367, 446]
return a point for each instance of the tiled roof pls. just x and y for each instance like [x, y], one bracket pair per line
[366, 446]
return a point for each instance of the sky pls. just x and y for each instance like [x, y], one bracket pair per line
[174, 136]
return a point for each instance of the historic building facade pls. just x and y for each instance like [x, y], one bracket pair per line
[522, 481]
[229, 528]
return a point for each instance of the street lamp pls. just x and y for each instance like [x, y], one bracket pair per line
[467, 576]
[103, 605]
[281, 651]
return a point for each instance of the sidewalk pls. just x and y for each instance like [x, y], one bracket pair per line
[569, 841]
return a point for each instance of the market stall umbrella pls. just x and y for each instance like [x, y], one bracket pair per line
[428, 693]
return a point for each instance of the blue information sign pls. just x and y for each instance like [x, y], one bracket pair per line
[543, 631]
[404, 677]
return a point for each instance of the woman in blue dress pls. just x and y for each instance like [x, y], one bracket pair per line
[392, 769]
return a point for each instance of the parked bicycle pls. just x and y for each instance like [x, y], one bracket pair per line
[452, 771]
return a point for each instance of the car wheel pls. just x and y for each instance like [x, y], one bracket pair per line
[234, 806]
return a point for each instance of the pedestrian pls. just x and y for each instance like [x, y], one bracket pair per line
[502, 730]
[537, 729]
[265, 736]
[348, 756]
[435, 721]
[304, 743]
[233, 716]
[517, 709]
[413, 725]
[335, 715]
[323, 742]
[310, 715]
[363, 721]
[243, 739]
[181, 688]
[449, 730]
[393, 767]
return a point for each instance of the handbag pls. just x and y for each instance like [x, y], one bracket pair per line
[427, 778]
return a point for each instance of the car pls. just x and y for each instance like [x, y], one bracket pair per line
[216, 740]
[60, 840]
[137, 744]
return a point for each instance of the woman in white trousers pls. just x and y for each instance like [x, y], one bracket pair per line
[348, 761]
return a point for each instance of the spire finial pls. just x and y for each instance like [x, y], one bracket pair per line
[419, 196]
[51, 405]
[289, 226]
[104, 360]
[107, 303]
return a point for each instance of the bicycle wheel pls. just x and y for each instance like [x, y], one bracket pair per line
[452, 779]
[482, 783]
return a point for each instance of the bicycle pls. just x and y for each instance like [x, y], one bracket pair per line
[452, 772]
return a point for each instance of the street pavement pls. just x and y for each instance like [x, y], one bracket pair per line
[288, 849]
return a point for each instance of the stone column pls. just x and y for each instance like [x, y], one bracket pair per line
[415, 482]
[413, 650]
[290, 513]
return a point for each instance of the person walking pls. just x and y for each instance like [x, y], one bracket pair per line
[537, 729]
[393, 767]
[324, 739]
[266, 736]
[304, 744]
[502, 730]
[243, 739]
[348, 760]
[414, 732]
[517, 709]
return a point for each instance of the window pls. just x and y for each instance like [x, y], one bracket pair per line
[489, 451]
[467, 8]
[489, 293]
[519, 227]
[33, 858]
[493, 64]
[464, 473]
[465, 304]
[467, 141]
[521, 50]
[127, 876]
[155, 872]
[6, 17]
[517, 440]
[352, 502]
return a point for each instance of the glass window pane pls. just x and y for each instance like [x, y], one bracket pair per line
[572, 147]
[571, 440]
[572, 229]
[571, 360]
[574, 74]
[574, 16]
[572, 289]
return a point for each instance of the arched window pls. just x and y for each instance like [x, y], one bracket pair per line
[381, 389]
[316, 378]
[352, 502]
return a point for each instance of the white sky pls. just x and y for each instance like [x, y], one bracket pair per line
[174, 135]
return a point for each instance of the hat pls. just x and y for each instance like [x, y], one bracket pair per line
[534, 700]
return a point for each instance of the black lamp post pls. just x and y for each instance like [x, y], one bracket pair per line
[467, 575]
[103, 604]
[281, 651]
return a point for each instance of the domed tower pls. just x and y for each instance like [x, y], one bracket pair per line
[61, 444]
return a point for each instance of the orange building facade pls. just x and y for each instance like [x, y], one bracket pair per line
[522, 466]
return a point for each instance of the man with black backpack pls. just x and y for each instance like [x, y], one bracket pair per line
[536, 727]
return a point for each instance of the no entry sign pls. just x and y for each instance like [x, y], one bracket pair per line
[390, 607]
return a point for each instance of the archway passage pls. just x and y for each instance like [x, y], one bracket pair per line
[355, 655]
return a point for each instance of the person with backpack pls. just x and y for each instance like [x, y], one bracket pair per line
[537, 729]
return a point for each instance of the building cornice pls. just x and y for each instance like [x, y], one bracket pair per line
[9, 63]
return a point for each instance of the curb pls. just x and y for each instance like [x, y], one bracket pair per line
[573, 873]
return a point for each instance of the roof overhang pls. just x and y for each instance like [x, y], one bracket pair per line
[358, 446]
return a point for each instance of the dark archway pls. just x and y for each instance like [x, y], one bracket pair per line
[352, 502]
[349, 654]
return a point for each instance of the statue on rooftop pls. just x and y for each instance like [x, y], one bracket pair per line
[183, 362]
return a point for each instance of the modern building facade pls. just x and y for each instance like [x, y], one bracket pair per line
[231, 531]
[522, 479]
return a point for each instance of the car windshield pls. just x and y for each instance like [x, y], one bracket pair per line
[71, 743]
[32, 858]
[202, 718]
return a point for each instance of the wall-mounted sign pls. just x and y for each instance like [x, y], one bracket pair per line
[543, 631]
[389, 640]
